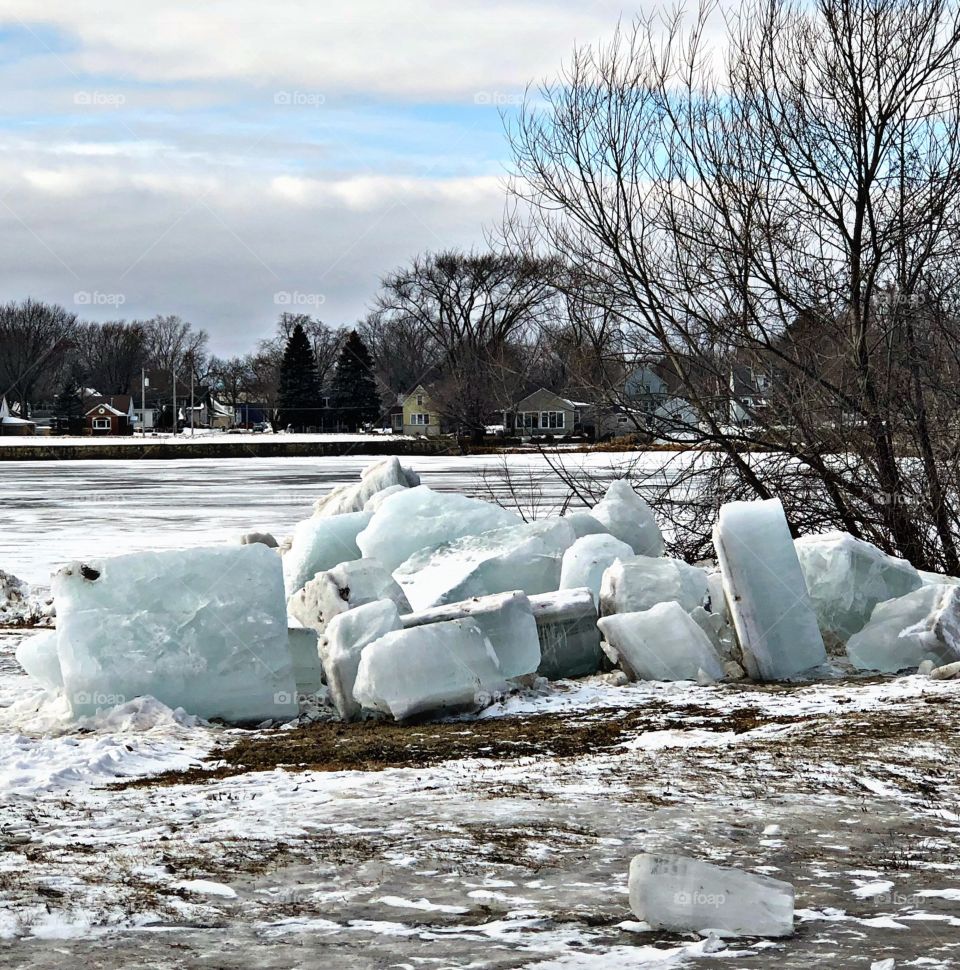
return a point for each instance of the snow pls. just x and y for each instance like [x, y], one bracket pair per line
[765, 591]
[342, 645]
[662, 643]
[436, 667]
[847, 578]
[321, 543]
[519, 557]
[586, 560]
[678, 893]
[202, 629]
[906, 631]
[507, 622]
[422, 519]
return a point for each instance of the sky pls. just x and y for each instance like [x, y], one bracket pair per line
[227, 161]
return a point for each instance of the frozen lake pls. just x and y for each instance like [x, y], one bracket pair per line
[53, 512]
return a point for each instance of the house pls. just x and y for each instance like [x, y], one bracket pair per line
[748, 389]
[109, 415]
[544, 412]
[11, 424]
[420, 415]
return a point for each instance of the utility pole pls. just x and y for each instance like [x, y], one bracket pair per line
[143, 400]
[173, 421]
[192, 412]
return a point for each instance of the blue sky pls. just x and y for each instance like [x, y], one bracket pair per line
[228, 160]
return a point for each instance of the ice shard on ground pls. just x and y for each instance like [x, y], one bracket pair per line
[847, 578]
[765, 591]
[584, 524]
[569, 637]
[625, 515]
[437, 668]
[321, 543]
[639, 582]
[203, 629]
[342, 645]
[420, 518]
[507, 621]
[344, 587]
[585, 562]
[525, 557]
[662, 643]
[904, 632]
[672, 892]
[383, 474]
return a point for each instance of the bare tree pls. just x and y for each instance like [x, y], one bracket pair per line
[174, 345]
[781, 228]
[35, 339]
[470, 307]
[110, 355]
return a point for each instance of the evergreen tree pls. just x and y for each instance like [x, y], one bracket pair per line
[68, 414]
[299, 397]
[355, 395]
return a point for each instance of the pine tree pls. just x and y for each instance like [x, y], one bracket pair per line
[299, 397]
[68, 414]
[355, 395]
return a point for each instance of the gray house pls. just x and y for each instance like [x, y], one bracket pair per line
[543, 412]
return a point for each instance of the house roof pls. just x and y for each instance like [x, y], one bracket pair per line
[118, 403]
[104, 407]
[565, 403]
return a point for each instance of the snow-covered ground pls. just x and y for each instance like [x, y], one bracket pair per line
[53, 512]
[185, 437]
[850, 791]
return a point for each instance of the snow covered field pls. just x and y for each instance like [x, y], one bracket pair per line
[501, 840]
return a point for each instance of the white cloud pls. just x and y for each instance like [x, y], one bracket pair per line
[415, 48]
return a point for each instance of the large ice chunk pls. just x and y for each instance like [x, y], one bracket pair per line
[586, 560]
[383, 474]
[639, 582]
[507, 621]
[321, 543]
[662, 643]
[436, 668]
[765, 591]
[346, 586]
[343, 643]
[847, 577]
[569, 638]
[903, 632]
[38, 656]
[204, 629]
[525, 557]
[672, 892]
[420, 518]
[625, 515]
[584, 524]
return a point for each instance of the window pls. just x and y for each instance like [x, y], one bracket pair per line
[420, 402]
[543, 420]
[419, 418]
[101, 424]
